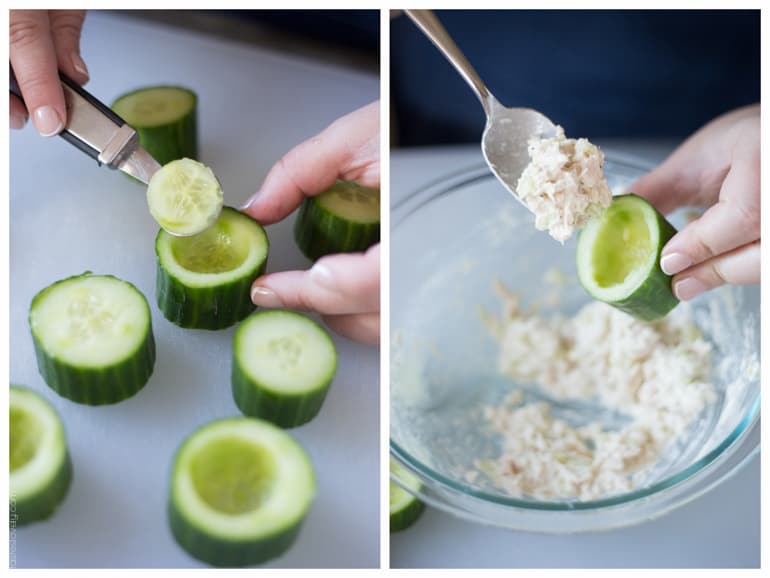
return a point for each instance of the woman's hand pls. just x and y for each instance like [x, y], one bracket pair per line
[717, 167]
[344, 289]
[42, 42]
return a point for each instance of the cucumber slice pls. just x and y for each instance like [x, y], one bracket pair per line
[164, 117]
[344, 218]
[283, 364]
[184, 197]
[240, 489]
[204, 281]
[405, 508]
[40, 466]
[618, 258]
[93, 338]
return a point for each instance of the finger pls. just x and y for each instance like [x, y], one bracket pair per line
[66, 26]
[732, 222]
[337, 284]
[360, 327]
[348, 149]
[740, 266]
[33, 58]
[18, 113]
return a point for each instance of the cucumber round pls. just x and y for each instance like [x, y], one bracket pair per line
[164, 117]
[240, 489]
[618, 258]
[184, 197]
[345, 218]
[204, 281]
[283, 364]
[405, 508]
[93, 338]
[40, 466]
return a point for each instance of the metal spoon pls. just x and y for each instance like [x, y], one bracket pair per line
[508, 130]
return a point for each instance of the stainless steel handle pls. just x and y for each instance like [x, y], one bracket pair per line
[91, 125]
[427, 21]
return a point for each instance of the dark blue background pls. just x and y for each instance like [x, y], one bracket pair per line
[598, 73]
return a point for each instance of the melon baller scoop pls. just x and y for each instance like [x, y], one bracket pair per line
[96, 130]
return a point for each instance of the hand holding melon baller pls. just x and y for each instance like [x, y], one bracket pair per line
[508, 130]
[100, 133]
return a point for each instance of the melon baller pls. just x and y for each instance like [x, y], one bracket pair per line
[96, 130]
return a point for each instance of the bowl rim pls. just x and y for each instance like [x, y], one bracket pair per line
[458, 179]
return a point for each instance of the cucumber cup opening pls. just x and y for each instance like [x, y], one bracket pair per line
[622, 246]
[215, 250]
[233, 476]
[26, 433]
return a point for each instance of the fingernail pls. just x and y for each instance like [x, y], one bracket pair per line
[673, 263]
[265, 297]
[47, 122]
[688, 288]
[79, 65]
[17, 121]
[250, 201]
[322, 275]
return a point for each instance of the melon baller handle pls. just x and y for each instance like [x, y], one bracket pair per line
[91, 125]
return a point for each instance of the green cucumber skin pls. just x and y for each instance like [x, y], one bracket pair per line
[284, 410]
[91, 386]
[43, 505]
[318, 232]
[227, 553]
[173, 141]
[407, 516]
[204, 307]
[210, 308]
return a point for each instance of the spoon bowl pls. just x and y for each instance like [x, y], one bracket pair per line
[505, 142]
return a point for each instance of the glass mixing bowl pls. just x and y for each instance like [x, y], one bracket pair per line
[449, 242]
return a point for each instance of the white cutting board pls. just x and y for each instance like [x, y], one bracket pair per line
[68, 216]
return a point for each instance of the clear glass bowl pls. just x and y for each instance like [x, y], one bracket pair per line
[449, 242]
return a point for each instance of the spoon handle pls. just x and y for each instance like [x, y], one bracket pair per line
[427, 21]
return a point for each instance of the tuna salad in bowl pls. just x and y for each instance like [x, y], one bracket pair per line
[518, 400]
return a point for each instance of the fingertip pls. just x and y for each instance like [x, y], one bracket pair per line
[688, 288]
[47, 120]
[263, 296]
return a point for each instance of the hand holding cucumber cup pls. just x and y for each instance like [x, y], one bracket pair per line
[333, 178]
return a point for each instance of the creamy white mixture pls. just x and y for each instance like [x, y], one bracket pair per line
[657, 374]
[564, 184]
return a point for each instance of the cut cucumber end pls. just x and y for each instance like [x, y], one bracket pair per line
[40, 467]
[618, 258]
[184, 197]
[240, 490]
[344, 218]
[93, 338]
[155, 106]
[283, 365]
[204, 281]
[405, 508]
[165, 119]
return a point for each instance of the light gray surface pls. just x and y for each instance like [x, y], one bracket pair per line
[68, 216]
[721, 529]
